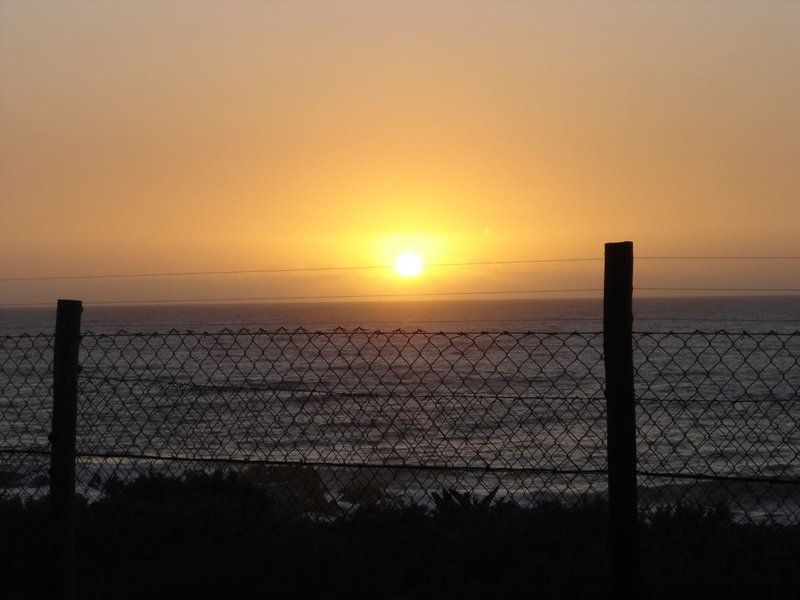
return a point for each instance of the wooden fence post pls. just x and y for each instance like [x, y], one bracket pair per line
[62, 445]
[621, 415]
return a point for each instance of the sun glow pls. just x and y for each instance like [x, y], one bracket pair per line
[408, 264]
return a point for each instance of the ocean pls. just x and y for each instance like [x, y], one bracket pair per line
[753, 313]
[480, 394]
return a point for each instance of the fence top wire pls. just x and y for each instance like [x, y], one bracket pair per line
[22, 336]
[720, 332]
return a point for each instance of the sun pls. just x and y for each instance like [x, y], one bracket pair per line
[408, 264]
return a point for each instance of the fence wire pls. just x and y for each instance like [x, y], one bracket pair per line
[26, 401]
[717, 421]
[328, 421]
[331, 420]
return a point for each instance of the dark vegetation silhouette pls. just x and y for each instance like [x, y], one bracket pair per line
[215, 535]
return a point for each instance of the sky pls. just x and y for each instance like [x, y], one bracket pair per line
[140, 137]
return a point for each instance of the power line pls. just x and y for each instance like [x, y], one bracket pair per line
[368, 267]
[289, 270]
[414, 295]
[321, 297]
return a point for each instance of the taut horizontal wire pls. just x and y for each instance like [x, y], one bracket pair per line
[713, 477]
[369, 267]
[409, 295]
[289, 270]
[311, 463]
[321, 297]
[408, 466]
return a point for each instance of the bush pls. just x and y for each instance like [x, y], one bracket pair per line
[220, 535]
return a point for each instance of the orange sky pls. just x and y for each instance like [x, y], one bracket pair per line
[152, 136]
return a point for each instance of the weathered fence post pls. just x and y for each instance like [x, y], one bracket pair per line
[62, 445]
[621, 415]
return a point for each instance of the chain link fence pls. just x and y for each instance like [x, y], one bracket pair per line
[328, 421]
[718, 421]
[26, 406]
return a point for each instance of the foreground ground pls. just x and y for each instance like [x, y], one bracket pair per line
[214, 536]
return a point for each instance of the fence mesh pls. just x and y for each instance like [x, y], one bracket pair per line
[330, 420]
[26, 400]
[717, 421]
[325, 421]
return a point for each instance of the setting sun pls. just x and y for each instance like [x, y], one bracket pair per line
[408, 264]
